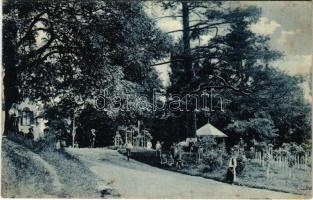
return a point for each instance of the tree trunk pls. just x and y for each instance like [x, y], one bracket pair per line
[194, 124]
[187, 62]
[186, 28]
[10, 71]
[186, 42]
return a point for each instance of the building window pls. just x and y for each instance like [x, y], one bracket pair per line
[27, 117]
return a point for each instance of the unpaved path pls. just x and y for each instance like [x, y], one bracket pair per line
[137, 180]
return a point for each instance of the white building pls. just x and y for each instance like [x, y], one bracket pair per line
[28, 115]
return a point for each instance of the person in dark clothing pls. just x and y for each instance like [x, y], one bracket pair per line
[92, 138]
[231, 171]
[79, 137]
[14, 123]
[30, 134]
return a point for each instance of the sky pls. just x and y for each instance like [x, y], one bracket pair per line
[287, 23]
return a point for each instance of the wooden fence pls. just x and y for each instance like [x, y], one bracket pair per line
[298, 161]
[286, 163]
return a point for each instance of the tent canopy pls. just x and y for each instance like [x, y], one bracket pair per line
[209, 130]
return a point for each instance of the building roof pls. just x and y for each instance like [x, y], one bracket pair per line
[210, 130]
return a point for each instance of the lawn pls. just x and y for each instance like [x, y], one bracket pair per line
[253, 175]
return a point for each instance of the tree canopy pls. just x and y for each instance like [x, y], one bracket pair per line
[72, 50]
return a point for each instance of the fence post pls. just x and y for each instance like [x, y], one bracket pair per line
[305, 161]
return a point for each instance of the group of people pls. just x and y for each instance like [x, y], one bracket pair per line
[158, 148]
[175, 152]
[174, 157]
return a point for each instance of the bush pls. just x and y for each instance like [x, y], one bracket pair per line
[21, 139]
[241, 163]
[291, 161]
[250, 153]
[213, 160]
[47, 142]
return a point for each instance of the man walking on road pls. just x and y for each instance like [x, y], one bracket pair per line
[129, 147]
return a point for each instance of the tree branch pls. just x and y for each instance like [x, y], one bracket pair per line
[32, 24]
[169, 16]
[204, 86]
[193, 27]
[167, 62]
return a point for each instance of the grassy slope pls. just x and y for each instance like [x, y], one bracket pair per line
[254, 176]
[77, 180]
[24, 176]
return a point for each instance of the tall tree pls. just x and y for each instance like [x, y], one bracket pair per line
[196, 69]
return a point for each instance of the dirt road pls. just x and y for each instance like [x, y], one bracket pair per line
[137, 180]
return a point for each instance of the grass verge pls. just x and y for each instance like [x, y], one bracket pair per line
[254, 174]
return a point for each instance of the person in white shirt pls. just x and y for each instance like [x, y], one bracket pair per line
[149, 145]
[129, 147]
[158, 148]
[231, 172]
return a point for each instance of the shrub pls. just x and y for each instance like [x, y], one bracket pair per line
[250, 153]
[262, 146]
[291, 161]
[241, 163]
[213, 160]
[20, 138]
[47, 142]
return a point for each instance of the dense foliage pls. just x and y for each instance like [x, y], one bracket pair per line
[69, 52]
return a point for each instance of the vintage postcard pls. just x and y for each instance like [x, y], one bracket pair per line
[178, 99]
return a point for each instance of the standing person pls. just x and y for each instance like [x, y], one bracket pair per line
[30, 134]
[149, 145]
[79, 136]
[174, 152]
[58, 144]
[92, 138]
[179, 161]
[15, 123]
[129, 147]
[199, 153]
[158, 149]
[231, 172]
